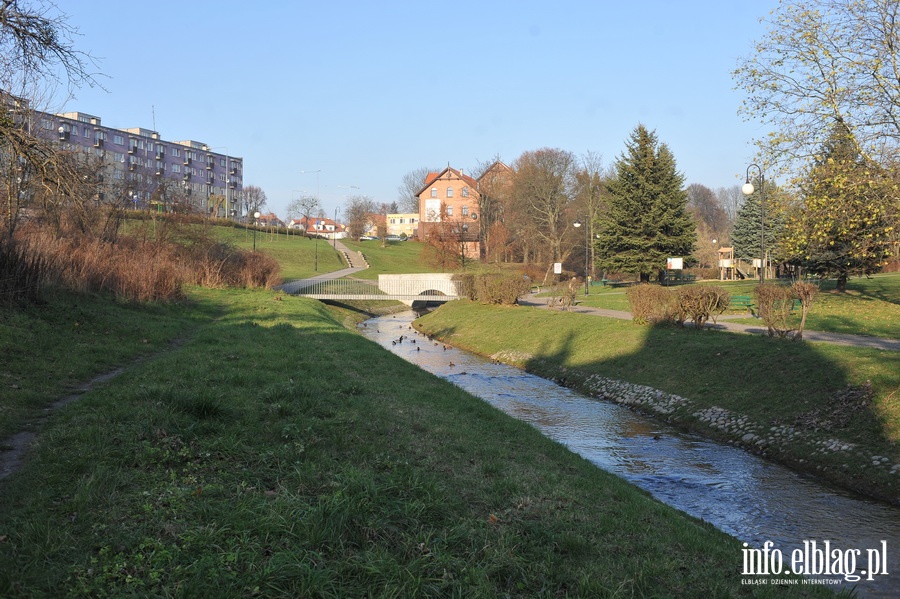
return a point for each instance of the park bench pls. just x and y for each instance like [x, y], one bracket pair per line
[741, 302]
[745, 302]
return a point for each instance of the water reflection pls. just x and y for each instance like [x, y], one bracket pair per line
[745, 496]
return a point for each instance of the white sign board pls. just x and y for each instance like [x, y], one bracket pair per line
[557, 268]
[674, 263]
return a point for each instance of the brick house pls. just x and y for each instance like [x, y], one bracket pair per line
[448, 206]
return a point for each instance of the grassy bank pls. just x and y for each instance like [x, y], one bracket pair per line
[870, 306]
[831, 410]
[276, 453]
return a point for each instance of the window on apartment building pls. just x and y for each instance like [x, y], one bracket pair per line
[449, 210]
[465, 211]
[175, 152]
[449, 192]
[465, 192]
[434, 192]
[221, 162]
[176, 168]
[402, 221]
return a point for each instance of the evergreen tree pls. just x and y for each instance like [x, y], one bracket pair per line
[843, 226]
[647, 220]
[746, 234]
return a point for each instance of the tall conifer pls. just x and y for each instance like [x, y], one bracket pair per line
[647, 221]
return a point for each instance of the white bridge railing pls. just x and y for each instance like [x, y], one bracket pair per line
[387, 288]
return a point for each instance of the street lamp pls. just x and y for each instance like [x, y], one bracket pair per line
[577, 224]
[316, 229]
[334, 233]
[318, 200]
[255, 227]
[747, 189]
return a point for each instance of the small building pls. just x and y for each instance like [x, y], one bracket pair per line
[269, 220]
[403, 225]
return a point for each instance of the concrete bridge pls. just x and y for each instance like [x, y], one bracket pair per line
[409, 289]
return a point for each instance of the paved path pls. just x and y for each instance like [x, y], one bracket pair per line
[737, 327]
[356, 260]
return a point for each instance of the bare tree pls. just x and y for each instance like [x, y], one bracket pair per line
[254, 199]
[730, 199]
[36, 45]
[713, 225]
[358, 212]
[305, 207]
[412, 182]
[35, 49]
[544, 184]
[820, 64]
[589, 189]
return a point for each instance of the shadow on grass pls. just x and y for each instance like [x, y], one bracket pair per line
[776, 383]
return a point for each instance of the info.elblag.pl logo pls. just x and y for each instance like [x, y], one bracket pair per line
[814, 559]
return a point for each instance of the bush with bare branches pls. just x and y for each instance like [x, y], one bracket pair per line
[806, 293]
[701, 303]
[775, 304]
[652, 304]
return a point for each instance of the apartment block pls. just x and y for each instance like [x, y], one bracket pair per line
[153, 173]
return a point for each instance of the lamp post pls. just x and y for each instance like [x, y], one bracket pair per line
[577, 224]
[334, 233]
[318, 200]
[747, 189]
[255, 226]
[316, 263]
[349, 189]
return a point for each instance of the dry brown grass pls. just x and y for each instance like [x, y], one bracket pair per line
[139, 268]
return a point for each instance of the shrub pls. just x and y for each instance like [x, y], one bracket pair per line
[702, 302]
[806, 293]
[652, 304]
[775, 303]
[564, 293]
[466, 285]
[23, 273]
[500, 288]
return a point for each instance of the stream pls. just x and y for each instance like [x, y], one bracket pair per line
[754, 500]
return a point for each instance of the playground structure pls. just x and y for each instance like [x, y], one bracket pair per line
[733, 269]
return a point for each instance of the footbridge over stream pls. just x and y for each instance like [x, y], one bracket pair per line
[409, 289]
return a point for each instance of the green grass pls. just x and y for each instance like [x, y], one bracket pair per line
[398, 257]
[49, 349]
[298, 256]
[275, 453]
[771, 381]
[870, 306]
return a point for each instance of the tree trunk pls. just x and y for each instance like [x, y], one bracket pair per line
[842, 282]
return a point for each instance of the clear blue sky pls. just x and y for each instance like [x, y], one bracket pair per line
[368, 91]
